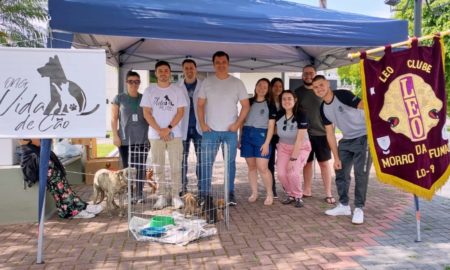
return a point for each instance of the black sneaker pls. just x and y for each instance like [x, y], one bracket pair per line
[232, 199]
[298, 203]
[288, 200]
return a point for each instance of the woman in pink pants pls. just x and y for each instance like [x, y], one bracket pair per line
[293, 147]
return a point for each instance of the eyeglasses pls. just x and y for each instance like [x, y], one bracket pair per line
[134, 82]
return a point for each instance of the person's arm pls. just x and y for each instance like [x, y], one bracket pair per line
[301, 133]
[242, 115]
[148, 115]
[201, 104]
[360, 105]
[332, 143]
[270, 131]
[115, 124]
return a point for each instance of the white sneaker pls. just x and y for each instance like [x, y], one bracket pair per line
[84, 214]
[340, 210]
[358, 216]
[177, 202]
[94, 208]
[160, 203]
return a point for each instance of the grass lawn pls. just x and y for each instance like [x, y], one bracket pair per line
[104, 149]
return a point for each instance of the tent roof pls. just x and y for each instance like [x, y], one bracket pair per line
[259, 35]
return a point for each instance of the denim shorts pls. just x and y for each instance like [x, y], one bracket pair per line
[251, 141]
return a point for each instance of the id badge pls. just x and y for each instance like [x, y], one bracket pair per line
[134, 117]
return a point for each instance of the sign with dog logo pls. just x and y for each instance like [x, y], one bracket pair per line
[404, 94]
[52, 93]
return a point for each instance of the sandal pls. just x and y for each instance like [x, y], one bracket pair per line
[306, 196]
[330, 200]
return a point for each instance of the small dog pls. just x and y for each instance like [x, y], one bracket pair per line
[220, 205]
[190, 203]
[152, 183]
[209, 210]
[112, 183]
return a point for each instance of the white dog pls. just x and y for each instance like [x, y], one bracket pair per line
[112, 183]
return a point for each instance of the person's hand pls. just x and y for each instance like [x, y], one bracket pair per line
[116, 141]
[337, 164]
[205, 128]
[264, 149]
[291, 165]
[164, 134]
[233, 127]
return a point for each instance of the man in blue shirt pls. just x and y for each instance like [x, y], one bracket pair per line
[189, 124]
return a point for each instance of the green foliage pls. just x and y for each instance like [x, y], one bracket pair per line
[19, 22]
[350, 75]
[435, 18]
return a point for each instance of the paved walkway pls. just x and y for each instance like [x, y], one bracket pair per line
[275, 237]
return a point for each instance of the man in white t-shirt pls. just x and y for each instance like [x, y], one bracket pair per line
[163, 105]
[220, 120]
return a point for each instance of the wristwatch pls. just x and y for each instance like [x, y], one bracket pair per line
[170, 126]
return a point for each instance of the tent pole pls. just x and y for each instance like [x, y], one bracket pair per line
[417, 33]
[43, 170]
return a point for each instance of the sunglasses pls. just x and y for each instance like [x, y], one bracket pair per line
[134, 82]
[285, 125]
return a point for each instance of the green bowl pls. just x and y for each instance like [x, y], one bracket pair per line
[161, 221]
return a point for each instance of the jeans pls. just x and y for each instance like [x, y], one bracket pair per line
[138, 160]
[196, 139]
[353, 152]
[210, 146]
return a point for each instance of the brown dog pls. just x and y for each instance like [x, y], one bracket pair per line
[112, 183]
[220, 204]
[190, 203]
[152, 183]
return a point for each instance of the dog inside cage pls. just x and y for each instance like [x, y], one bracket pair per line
[169, 184]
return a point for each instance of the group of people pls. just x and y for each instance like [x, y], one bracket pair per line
[276, 129]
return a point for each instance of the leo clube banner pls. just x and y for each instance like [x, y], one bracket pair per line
[405, 100]
[52, 93]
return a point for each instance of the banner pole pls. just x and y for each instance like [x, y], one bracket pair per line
[43, 171]
[416, 203]
[417, 33]
[398, 44]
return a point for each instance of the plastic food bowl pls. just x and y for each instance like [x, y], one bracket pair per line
[153, 231]
[161, 221]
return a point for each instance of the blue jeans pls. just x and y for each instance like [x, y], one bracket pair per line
[210, 146]
[353, 152]
[196, 139]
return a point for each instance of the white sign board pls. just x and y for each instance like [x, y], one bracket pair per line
[52, 93]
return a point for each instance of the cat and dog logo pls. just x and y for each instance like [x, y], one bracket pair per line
[65, 95]
[51, 93]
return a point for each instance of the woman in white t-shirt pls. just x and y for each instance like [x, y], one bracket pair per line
[293, 147]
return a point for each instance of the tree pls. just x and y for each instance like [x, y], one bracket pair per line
[350, 75]
[436, 17]
[19, 22]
